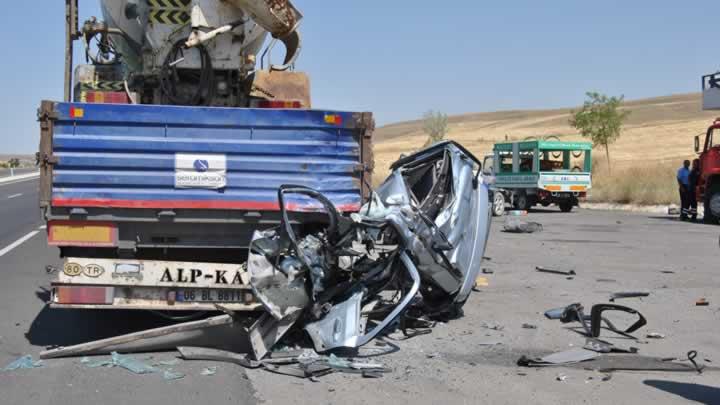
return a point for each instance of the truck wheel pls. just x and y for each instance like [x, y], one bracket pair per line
[566, 206]
[522, 202]
[712, 205]
[498, 208]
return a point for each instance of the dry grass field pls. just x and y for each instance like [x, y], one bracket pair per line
[656, 138]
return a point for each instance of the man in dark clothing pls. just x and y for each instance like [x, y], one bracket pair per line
[692, 187]
[683, 178]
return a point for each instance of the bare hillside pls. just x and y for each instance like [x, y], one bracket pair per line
[659, 130]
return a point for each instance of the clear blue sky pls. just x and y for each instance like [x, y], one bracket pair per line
[400, 58]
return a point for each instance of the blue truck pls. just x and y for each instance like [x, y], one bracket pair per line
[170, 146]
[153, 207]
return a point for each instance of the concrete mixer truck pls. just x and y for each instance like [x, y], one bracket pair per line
[170, 147]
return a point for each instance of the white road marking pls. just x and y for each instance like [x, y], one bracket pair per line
[14, 196]
[17, 243]
[43, 227]
[18, 181]
[4, 181]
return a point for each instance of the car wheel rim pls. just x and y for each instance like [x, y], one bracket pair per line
[499, 204]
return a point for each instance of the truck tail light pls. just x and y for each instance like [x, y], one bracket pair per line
[104, 97]
[77, 112]
[333, 119]
[78, 295]
[82, 233]
[279, 104]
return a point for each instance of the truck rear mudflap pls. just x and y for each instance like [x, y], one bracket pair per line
[152, 285]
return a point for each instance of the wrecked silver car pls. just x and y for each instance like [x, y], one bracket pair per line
[413, 251]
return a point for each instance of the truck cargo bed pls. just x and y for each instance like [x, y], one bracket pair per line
[156, 172]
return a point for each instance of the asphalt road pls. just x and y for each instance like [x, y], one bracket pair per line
[610, 251]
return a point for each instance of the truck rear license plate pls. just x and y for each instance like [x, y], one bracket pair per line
[214, 296]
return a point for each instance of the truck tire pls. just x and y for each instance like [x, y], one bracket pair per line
[522, 202]
[566, 206]
[712, 205]
[498, 208]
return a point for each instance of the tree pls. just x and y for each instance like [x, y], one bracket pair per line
[600, 119]
[435, 125]
[14, 162]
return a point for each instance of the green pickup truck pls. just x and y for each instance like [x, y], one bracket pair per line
[536, 172]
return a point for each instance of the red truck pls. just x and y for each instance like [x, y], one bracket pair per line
[708, 188]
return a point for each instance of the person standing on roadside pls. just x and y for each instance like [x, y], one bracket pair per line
[692, 189]
[683, 179]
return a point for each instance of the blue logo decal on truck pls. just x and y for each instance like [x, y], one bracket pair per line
[202, 165]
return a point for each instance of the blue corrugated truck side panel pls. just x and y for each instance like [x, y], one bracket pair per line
[125, 155]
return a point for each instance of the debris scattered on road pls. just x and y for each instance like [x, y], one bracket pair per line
[209, 371]
[49, 269]
[602, 346]
[149, 338]
[131, 364]
[655, 335]
[481, 282]
[491, 342]
[593, 323]
[170, 375]
[667, 272]
[201, 353]
[606, 280]
[702, 302]
[24, 362]
[515, 225]
[555, 271]
[488, 271]
[561, 377]
[621, 295]
[167, 363]
[529, 326]
[623, 362]
[571, 356]
[607, 377]
[300, 363]
[492, 326]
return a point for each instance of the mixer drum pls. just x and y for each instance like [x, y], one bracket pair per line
[131, 17]
[157, 25]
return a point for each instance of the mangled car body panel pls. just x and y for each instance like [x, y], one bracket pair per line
[447, 212]
[421, 238]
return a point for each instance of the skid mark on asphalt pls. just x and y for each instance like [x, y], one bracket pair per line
[9, 248]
